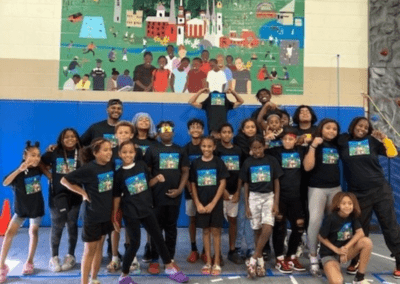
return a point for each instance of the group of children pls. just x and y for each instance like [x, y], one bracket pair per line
[268, 173]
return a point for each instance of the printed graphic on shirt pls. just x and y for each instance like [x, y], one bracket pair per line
[345, 233]
[290, 160]
[217, 99]
[143, 148]
[231, 162]
[112, 139]
[169, 161]
[330, 156]
[207, 177]
[136, 184]
[105, 181]
[276, 143]
[118, 164]
[357, 148]
[193, 157]
[260, 174]
[32, 184]
[63, 167]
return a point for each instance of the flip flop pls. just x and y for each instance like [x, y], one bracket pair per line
[179, 277]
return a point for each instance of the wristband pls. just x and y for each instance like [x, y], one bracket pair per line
[313, 146]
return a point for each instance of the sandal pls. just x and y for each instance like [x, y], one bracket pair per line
[28, 268]
[260, 271]
[251, 271]
[206, 270]
[113, 266]
[216, 270]
[3, 273]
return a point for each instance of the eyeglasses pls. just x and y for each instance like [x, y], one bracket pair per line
[166, 129]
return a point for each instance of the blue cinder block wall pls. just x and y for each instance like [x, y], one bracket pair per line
[43, 121]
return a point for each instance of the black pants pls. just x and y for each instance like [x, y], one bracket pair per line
[382, 203]
[89, 50]
[289, 210]
[167, 217]
[132, 227]
[58, 221]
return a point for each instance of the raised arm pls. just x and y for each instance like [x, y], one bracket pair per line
[239, 99]
[309, 159]
[193, 100]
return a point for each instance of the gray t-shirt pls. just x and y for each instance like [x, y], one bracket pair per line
[241, 78]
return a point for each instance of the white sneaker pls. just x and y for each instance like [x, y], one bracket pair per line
[135, 267]
[69, 262]
[54, 264]
[94, 281]
[315, 271]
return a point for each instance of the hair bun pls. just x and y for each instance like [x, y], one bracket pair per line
[28, 143]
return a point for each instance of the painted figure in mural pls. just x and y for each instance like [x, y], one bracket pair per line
[144, 44]
[170, 57]
[205, 66]
[176, 62]
[70, 84]
[289, 52]
[142, 75]
[124, 80]
[216, 78]
[112, 82]
[179, 76]
[124, 54]
[89, 48]
[70, 45]
[241, 78]
[72, 67]
[227, 71]
[286, 75]
[229, 63]
[160, 76]
[84, 84]
[112, 55]
[196, 79]
[113, 31]
[98, 75]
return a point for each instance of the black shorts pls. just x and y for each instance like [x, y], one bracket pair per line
[214, 219]
[291, 209]
[92, 232]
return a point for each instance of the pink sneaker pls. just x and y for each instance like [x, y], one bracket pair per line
[28, 268]
[3, 273]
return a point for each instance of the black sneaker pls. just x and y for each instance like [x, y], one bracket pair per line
[147, 254]
[235, 257]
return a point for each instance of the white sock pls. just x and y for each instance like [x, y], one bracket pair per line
[253, 261]
[115, 259]
[313, 259]
[260, 261]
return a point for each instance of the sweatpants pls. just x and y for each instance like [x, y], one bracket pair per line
[58, 221]
[167, 218]
[319, 200]
[289, 210]
[243, 226]
[132, 227]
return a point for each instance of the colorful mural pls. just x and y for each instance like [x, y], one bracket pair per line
[99, 35]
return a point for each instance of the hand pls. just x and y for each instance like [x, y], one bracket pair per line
[343, 258]
[226, 195]
[248, 213]
[206, 90]
[235, 198]
[229, 91]
[272, 105]
[378, 135]
[160, 178]
[275, 209]
[51, 148]
[85, 197]
[270, 136]
[117, 228]
[342, 251]
[201, 209]
[25, 165]
[173, 193]
[317, 141]
[209, 208]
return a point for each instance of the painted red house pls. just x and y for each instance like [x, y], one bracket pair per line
[162, 26]
[247, 39]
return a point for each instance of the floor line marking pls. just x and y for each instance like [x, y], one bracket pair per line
[294, 281]
[217, 280]
[383, 256]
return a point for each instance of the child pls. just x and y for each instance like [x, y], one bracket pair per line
[260, 174]
[208, 179]
[193, 151]
[321, 161]
[272, 128]
[285, 118]
[179, 75]
[170, 160]
[28, 203]
[232, 156]
[83, 84]
[342, 238]
[359, 150]
[64, 204]
[112, 82]
[161, 76]
[216, 78]
[248, 129]
[216, 106]
[290, 158]
[132, 184]
[196, 79]
[142, 75]
[205, 65]
[96, 176]
[263, 96]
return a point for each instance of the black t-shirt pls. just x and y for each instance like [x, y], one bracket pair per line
[100, 129]
[207, 177]
[233, 159]
[60, 166]
[28, 197]
[260, 173]
[256, 113]
[133, 185]
[144, 144]
[216, 106]
[97, 180]
[338, 231]
[143, 75]
[243, 142]
[192, 152]
[168, 161]
[291, 162]
[360, 157]
[310, 130]
[325, 173]
[275, 143]
[118, 161]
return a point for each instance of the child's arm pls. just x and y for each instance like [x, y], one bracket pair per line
[357, 236]
[264, 110]
[246, 199]
[116, 202]
[8, 180]
[156, 179]
[210, 206]
[184, 178]
[199, 206]
[75, 188]
[43, 168]
[193, 100]
[172, 82]
[236, 196]
[277, 190]
[186, 84]
[329, 245]
[309, 159]
[239, 99]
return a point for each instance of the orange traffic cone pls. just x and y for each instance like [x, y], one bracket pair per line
[5, 217]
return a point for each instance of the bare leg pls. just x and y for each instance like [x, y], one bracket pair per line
[262, 238]
[207, 244]
[12, 230]
[192, 229]
[33, 241]
[333, 272]
[115, 236]
[232, 232]
[216, 233]
[98, 256]
[364, 248]
[87, 259]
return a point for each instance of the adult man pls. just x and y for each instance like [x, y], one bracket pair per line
[105, 128]
[70, 84]
[227, 71]
[98, 75]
